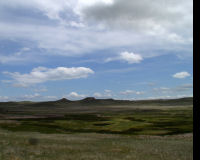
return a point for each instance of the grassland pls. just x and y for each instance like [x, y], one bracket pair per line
[97, 129]
[92, 146]
[136, 122]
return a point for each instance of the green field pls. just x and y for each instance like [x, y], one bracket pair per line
[136, 122]
[97, 129]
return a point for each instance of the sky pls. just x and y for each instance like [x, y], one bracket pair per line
[73, 49]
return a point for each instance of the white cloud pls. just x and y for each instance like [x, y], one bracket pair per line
[42, 74]
[163, 90]
[50, 8]
[9, 59]
[130, 92]
[22, 51]
[4, 98]
[128, 57]
[131, 57]
[121, 70]
[15, 57]
[181, 75]
[71, 42]
[50, 97]
[170, 97]
[127, 92]
[40, 89]
[30, 96]
[106, 94]
[64, 31]
[107, 91]
[184, 88]
[176, 89]
[139, 93]
[98, 95]
[74, 95]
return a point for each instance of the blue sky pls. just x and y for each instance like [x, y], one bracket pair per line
[101, 48]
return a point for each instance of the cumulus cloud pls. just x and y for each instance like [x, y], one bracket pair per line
[181, 75]
[105, 94]
[131, 57]
[74, 95]
[42, 74]
[127, 57]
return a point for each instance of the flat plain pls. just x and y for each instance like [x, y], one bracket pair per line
[97, 129]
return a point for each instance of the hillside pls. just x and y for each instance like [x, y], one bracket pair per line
[87, 105]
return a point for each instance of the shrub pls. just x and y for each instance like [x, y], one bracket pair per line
[33, 141]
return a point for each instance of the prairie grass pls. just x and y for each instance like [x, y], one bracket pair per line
[93, 146]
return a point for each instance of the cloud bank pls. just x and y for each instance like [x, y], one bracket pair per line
[153, 17]
[79, 27]
[42, 74]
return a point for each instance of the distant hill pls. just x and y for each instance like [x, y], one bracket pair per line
[94, 101]
[86, 105]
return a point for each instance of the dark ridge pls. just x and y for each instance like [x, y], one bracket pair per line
[109, 99]
[92, 100]
[63, 100]
[89, 99]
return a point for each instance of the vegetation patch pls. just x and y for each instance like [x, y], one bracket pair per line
[135, 122]
[101, 124]
[86, 117]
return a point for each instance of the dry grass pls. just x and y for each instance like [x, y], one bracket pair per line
[91, 146]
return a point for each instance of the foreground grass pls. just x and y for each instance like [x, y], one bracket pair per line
[93, 146]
